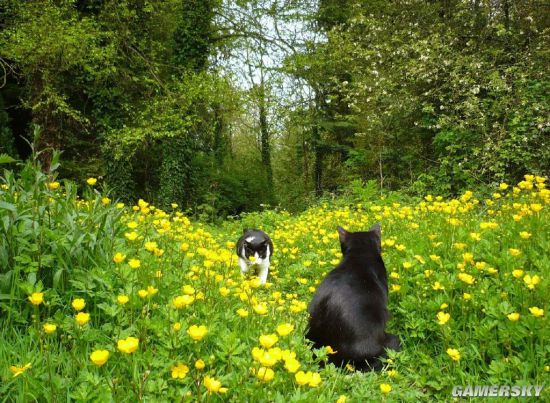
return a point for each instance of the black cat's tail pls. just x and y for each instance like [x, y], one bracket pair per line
[391, 342]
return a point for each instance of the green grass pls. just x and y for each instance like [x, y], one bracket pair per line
[62, 246]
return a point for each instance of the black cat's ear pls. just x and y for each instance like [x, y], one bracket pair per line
[377, 231]
[343, 234]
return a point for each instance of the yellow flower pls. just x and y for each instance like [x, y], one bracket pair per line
[105, 200]
[131, 236]
[188, 290]
[99, 357]
[292, 365]
[176, 326]
[525, 235]
[128, 345]
[179, 371]
[134, 263]
[243, 313]
[16, 371]
[435, 258]
[268, 340]
[53, 185]
[308, 378]
[78, 304]
[36, 298]
[536, 311]
[514, 316]
[119, 257]
[531, 281]
[407, 265]
[443, 317]
[49, 328]
[199, 364]
[151, 290]
[122, 299]
[503, 186]
[330, 350]
[265, 374]
[91, 181]
[213, 385]
[120, 205]
[143, 293]
[150, 246]
[514, 252]
[251, 258]
[517, 273]
[342, 399]
[182, 301]
[385, 388]
[466, 278]
[260, 309]
[224, 291]
[197, 332]
[467, 296]
[437, 286]
[302, 378]
[82, 318]
[266, 358]
[475, 236]
[454, 354]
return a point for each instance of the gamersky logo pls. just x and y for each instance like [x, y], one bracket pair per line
[497, 391]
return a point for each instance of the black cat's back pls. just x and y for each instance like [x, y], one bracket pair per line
[348, 311]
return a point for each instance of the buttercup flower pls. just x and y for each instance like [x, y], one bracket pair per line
[36, 298]
[82, 318]
[91, 181]
[268, 340]
[119, 257]
[385, 388]
[53, 185]
[197, 333]
[78, 304]
[128, 345]
[213, 385]
[536, 311]
[122, 299]
[514, 316]
[179, 371]
[199, 364]
[265, 374]
[454, 354]
[443, 317]
[16, 371]
[134, 263]
[49, 328]
[99, 357]
[292, 365]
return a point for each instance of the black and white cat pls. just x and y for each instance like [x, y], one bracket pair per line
[256, 244]
[349, 309]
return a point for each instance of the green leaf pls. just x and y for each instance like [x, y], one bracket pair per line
[6, 159]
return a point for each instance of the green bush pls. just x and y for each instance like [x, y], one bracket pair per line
[49, 237]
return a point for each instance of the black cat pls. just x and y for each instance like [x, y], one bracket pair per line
[349, 309]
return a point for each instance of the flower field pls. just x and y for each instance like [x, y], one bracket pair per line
[101, 301]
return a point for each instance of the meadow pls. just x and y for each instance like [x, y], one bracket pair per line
[105, 302]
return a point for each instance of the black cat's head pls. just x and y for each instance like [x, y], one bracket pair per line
[369, 242]
[255, 243]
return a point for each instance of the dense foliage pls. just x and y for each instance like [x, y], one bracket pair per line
[221, 106]
[101, 302]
